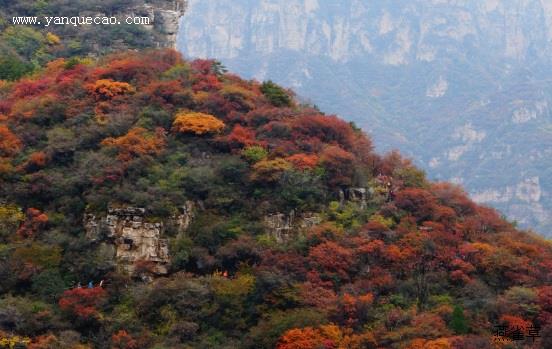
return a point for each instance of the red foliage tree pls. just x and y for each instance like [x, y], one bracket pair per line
[339, 165]
[31, 87]
[544, 294]
[83, 303]
[304, 338]
[444, 214]
[166, 94]
[328, 129]
[34, 221]
[288, 263]
[9, 143]
[47, 341]
[207, 82]
[515, 321]
[122, 340]
[263, 115]
[303, 161]
[240, 137]
[315, 295]
[203, 66]
[462, 270]
[454, 197]
[137, 68]
[353, 310]
[36, 161]
[363, 150]
[392, 161]
[419, 202]
[332, 260]
[369, 250]
[325, 337]
[205, 77]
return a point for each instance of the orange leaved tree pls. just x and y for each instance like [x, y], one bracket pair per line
[9, 143]
[325, 337]
[106, 89]
[34, 222]
[304, 338]
[122, 340]
[269, 170]
[197, 123]
[303, 161]
[137, 142]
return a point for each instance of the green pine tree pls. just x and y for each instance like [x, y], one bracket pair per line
[458, 323]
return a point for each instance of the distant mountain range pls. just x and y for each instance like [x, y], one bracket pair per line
[464, 87]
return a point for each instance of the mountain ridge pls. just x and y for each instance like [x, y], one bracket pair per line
[473, 74]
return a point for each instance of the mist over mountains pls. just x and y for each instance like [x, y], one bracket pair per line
[463, 87]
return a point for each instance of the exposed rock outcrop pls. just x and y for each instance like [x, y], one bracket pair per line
[184, 218]
[160, 18]
[135, 240]
[353, 194]
[281, 226]
[164, 19]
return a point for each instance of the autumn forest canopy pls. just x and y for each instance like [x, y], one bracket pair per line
[392, 260]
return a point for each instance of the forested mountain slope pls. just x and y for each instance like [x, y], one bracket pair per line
[26, 48]
[463, 87]
[207, 211]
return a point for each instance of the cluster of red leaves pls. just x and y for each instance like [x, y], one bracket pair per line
[137, 68]
[46, 341]
[305, 338]
[34, 222]
[327, 129]
[35, 161]
[122, 340]
[303, 161]
[83, 303]
[204, 77]
[138, 142]
[332, 260]
[339, 165]
[9, 143]
[240, 137]
[325, 337]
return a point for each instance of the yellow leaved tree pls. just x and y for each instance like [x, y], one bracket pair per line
[197, 123]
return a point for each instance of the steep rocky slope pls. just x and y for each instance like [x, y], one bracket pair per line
[464, 87]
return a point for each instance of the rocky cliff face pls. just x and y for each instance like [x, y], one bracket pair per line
[164, 19]
[282, 226]
[134, 242]
[464, 87]
[395, 33]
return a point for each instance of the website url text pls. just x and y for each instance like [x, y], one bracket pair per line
[78, 21]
